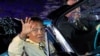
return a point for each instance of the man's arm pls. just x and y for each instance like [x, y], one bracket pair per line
[16, 47]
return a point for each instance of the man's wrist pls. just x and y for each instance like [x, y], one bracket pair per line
[21, 36]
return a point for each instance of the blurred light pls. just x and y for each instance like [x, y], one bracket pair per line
[47, 22]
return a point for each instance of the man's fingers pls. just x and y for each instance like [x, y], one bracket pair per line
[29, 20]
[22, 22]
[26, 19]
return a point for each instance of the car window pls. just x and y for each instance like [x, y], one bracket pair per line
[60, 47]
[81, 29]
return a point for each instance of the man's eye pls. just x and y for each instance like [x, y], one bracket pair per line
[41, 29]
[35, 29]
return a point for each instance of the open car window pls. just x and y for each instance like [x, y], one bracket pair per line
[83, 32]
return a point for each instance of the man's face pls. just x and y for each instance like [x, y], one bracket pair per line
[37, 35]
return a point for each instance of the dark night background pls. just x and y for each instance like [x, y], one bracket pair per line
[23, 8]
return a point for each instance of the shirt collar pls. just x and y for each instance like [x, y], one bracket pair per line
[30, 41]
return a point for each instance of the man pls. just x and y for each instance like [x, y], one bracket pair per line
[30, 42]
